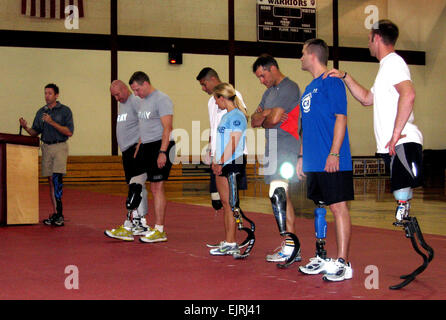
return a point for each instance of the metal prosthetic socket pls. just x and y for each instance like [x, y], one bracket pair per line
[239, 216]
[413, 232]
[278, 202]
[320, 227]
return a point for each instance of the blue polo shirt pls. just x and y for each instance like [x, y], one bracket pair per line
[59, 113]
[322, 100]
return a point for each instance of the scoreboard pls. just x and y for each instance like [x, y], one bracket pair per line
[292, 21]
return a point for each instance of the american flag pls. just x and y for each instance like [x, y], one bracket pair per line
[51, 9]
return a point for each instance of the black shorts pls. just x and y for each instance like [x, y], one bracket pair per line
[237, 166]
[150, 152]
[406, 166]
[132, 166]
[330, 187]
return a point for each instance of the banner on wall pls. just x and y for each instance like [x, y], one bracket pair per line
[292, 21]
[50, 9]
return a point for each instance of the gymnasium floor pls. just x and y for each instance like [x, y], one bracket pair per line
[34, 259]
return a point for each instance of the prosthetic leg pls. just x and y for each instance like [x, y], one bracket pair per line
[277, 195]
[58, 191]
[56, 218]
[137, 205]
[320, 227]
[239, 216]
[413, 232]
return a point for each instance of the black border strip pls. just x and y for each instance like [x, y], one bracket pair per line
[57, 40]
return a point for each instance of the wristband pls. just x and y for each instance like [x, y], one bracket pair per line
[345, 74]
[334, 154]
[161, 151]
[299, 156]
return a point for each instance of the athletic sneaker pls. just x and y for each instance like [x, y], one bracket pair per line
[155, 236]
[225, 249]
[217, 245]
[140, 227]
[123, 232]
[55, 220]
[317, 265]
[342, 272]
[282, 253]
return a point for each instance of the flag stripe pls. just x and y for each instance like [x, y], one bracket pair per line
[62, 9]
[23, 6]
[53, 9]
[80, 4]
[33, 8]
[42, 9]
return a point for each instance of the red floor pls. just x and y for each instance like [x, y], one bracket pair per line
[33, 259]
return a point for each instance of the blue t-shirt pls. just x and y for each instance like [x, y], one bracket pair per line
[321, 101]
[232, 121]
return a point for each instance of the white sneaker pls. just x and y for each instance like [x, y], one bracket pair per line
[317, 265]
[217, 245]
[283, 253]
[342, 272]
[140, 227]
[225, 249]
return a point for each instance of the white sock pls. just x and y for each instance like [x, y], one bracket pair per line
[160, 228]
[288, 247]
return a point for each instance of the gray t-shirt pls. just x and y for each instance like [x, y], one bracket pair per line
[127, 124]
[153, 107]
[285, 95]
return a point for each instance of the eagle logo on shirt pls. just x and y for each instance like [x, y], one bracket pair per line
[236, 123]
[306, 102]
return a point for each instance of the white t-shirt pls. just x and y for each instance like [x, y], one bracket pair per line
[393, 70]
[215, 115]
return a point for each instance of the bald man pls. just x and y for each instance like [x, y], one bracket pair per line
[127, 134]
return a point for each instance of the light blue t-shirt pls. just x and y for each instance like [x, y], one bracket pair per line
[232, 121]
[321, 101]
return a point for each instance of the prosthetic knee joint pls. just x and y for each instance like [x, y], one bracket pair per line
[239, 216]
[278, 197]
[320, 227]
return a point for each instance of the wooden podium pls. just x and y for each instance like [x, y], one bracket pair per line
[19, 179]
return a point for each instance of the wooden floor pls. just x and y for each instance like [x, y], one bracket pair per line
[374, 205]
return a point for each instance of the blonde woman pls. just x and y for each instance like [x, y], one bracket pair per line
[229, 164]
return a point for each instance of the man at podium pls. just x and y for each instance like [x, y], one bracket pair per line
[54, 122]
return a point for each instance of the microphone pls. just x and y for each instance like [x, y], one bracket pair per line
[20, 131]
[45, 109]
